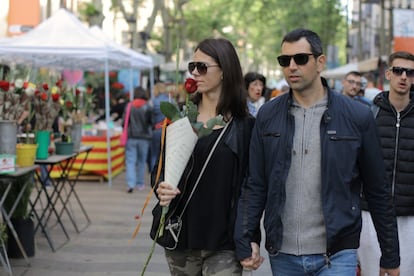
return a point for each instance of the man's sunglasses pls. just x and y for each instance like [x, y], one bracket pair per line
[300, 59]
[398, 71]
[201, 67]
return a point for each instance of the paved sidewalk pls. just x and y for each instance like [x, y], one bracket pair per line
[103, 248]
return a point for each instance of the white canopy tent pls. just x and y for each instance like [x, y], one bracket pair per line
[362, 66]
[63, 42]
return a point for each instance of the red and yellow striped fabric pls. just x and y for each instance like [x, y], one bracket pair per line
[97, 163]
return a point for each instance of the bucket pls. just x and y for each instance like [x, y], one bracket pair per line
[42, 141]
[76, 135]
[63, 148]
[25, 154]
[8, 137]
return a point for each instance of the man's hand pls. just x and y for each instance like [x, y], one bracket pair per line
[389, 272]
[253, 262]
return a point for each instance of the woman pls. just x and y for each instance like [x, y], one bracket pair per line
[255, 85]
[205, 246]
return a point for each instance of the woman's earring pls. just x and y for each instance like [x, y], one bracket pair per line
[221, 77]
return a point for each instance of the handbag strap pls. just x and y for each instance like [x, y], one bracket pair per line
[204, 167]
[128, 112]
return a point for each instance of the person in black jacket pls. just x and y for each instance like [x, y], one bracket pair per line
[394, 112]
[309, 151]
[139, 139]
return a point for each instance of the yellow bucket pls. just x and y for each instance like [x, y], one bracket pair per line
[25, 154]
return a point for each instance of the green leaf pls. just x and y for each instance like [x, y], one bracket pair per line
[192, 112]
[216, 121]
[170, 111]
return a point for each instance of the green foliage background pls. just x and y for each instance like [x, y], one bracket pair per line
[262, 24]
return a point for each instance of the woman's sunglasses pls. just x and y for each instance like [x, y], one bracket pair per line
[398, 71]
[300, 59]
[201, 67]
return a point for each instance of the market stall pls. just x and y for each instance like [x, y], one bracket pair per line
[63, 42]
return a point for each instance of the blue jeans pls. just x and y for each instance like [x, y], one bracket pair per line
[136, 152]
[343, 263]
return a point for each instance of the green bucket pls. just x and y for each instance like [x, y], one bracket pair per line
[42, 141]
[63, 148]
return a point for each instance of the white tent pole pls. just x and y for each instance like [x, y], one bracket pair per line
[107, 118]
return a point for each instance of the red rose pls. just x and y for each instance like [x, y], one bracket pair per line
[45, 86]
[37, 92]
[69, 104]
[25, 84]
[77, 92]
[55, 97]
[190, 85]
[4, 85]
[43, 96]
[59, 83]
[117, 85]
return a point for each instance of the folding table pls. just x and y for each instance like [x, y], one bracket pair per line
[56, 194]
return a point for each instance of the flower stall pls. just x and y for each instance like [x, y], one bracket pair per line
[63, 42]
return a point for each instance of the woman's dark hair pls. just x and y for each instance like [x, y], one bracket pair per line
[140, 93]
[251, 77]
[233, 94]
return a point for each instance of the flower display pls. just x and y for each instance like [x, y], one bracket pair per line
[14, 99]
[46, 105]
[77, 103]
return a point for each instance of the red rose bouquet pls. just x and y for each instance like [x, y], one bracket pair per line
[46, 105]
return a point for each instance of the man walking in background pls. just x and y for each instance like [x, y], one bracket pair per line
[394, 115]
[352, 86]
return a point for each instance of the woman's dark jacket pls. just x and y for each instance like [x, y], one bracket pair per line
[350, 152]
[396, 133]
[237, 139]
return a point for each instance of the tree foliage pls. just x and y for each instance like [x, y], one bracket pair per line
[259, 26]
[255, 27]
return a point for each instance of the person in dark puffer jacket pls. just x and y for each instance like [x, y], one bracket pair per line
[394, 112]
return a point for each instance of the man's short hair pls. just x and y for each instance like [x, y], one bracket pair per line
[400, 54]
[353, 73]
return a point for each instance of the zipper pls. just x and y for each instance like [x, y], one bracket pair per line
[339, 138]
[397, 136]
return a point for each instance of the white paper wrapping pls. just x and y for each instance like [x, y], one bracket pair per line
[180, 142]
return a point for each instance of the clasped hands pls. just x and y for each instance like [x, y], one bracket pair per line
[254, 261]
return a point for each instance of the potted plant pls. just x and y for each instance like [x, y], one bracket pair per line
[46, 106]
[21, 220]
[13, 105]
[76, 106]
[26, 148]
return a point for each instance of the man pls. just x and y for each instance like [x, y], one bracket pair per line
[352, 86]
[309, 151]
[394, 112]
